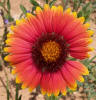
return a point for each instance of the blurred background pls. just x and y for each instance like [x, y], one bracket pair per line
[10, 11]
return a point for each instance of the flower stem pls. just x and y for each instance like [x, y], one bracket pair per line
[52, 97]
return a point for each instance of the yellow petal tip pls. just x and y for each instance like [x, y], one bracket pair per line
[90, 32]
[87, 72]
[12, 27]
[9, 35]
[30, 89]
[87, 25]
[90, 41]
[46, 7]
[68, 10]
[5, 49]
[18, 80]
[60, 8]
[28, 15]
[64, 93]
[81, 79]
[82, 19]
[74, 14]
[91, 49]
[56, 93]
[6, 58]
[8, 41]
[49, 94]
[73, 89]
[23, 86]
[75, 85]
[38, 10]
[88, 55]
[17, 22]
[43, 92]
[13, 72]
[53, 8]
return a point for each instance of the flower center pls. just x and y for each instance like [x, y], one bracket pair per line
[50, 51]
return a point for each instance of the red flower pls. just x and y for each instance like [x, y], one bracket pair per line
[41, 45]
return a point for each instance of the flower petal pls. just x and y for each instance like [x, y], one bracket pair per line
[79, 66]
[17, 58]
[80, 49]
[80, 42]
[75, 72]
[53, 83]
[81, 55]
[60, 20]
[18, 42]
[69, 79]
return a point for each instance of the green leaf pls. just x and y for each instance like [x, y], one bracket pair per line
[81, 1]
[21, 15]
[80, 13]
[33, 2]
[46, 1]
[23, 9]
[52, 97]
[64, 1]
[7, 89]
[86, 6]
[52, 3]
[87, 15]
[33, 9]
[75, 5]
[8, 5]
[8, 94]
[20, 97]
[9, 17]
[90, 61]
[16, 96]
[92, 77]
[1, 4]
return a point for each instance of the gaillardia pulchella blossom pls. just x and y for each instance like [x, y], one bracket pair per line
[40, 46]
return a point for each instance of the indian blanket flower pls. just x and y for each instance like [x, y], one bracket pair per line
[40, 45]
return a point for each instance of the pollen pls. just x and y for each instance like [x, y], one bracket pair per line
[50, 51]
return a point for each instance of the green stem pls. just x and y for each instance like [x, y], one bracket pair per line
[16, 96]
[46, 1]
[52, 97]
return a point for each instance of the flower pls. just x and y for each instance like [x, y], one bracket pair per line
[28, 11]
[40, 46]
[6, 21]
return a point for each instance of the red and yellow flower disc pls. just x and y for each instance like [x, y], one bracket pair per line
[40, 45]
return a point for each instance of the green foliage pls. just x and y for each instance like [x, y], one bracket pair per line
[24, 10]
[17, 97]
[86, 11]
[52, 97]
[35, 3]
[90, 81]
[33, 9]
[1, 4]
[8, 5]
[94, 5]
[46, 1]
[52, 2]
[7, 90]
[7, 16]
[75, 4]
